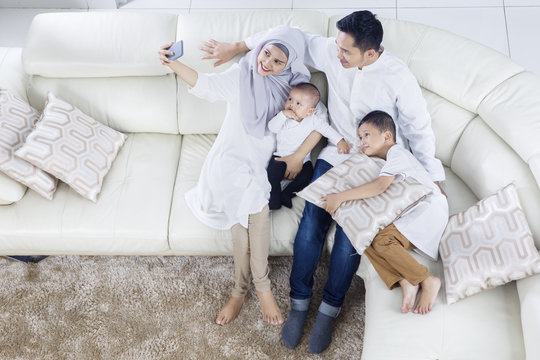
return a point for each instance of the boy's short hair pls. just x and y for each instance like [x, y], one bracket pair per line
[366, 29]
[311, 90]
[381, 120]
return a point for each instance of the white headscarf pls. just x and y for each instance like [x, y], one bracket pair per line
[262, 97]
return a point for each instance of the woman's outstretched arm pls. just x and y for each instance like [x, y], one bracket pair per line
[183, 71]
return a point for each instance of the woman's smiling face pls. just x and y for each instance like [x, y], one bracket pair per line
[271, 60]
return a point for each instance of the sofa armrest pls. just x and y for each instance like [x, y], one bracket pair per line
[529, 297]
[12, 75]
[10, 190]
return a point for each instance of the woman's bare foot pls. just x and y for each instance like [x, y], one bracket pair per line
[409, 295]
[270, 310]
[230, 311]
[430, 288]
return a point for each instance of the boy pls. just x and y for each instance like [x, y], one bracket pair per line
[420, 229]
[302, 115]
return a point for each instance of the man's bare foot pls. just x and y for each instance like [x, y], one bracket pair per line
[430, 288]
[409, 295]
[270, 310]
[230, 311]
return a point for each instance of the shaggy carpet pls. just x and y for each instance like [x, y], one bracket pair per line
[128, 307]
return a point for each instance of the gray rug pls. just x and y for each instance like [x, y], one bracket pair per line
[83, 307]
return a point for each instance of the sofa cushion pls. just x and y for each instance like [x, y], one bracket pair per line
[188, 236]
[17, 119]
[529, 296]
[127, 104]
[97, 44]
[10, 190]
[131, 215]
[486, 163]
[72, 146]
[487, 245]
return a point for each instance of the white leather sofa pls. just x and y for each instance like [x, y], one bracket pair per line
[486, 117]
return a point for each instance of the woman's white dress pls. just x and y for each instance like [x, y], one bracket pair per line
[233, 182]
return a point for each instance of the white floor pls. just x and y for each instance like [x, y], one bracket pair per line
[511, 27]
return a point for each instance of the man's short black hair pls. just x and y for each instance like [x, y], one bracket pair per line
[381, 120]
[311, 90]
[366, 29]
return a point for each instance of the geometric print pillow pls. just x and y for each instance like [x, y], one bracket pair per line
[487, 245]
[361, 220]
[72, 146]
[17, 120]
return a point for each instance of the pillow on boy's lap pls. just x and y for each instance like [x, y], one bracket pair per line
[487, 245]
[17, 120]
[363, 219]
[72, 146]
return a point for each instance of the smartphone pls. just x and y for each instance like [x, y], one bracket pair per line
[178, 50]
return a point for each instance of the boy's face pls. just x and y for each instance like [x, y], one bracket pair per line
[373, 142]
[301, 103]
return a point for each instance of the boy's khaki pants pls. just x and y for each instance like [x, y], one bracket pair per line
[390, 257]
[251, 247]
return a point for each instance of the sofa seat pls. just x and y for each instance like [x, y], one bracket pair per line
[491, 318]
[188, 236]
[487, 324]
[131, 215]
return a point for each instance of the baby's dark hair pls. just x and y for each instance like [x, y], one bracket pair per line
[381, 120]
[311, 90]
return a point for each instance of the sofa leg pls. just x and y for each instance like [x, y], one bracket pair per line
[28, 259]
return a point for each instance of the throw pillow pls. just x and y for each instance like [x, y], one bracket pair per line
[487, 245]
[363, 219]
[17, 120]
[72, 146]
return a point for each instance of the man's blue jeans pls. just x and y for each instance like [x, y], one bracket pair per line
[308, 247]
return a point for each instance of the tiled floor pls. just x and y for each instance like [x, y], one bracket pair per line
[511, 27]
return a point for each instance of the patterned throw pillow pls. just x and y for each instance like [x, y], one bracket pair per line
[17, 119]
[363, 219]
[72, 146]
[487, 245]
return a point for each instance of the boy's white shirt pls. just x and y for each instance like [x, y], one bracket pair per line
[290, 134]
[386, 85]
[424, 224]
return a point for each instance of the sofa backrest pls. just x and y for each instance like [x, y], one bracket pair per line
[196, 116]
[485, 110]
[106, 64]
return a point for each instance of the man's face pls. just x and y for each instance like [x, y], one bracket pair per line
[349, 55]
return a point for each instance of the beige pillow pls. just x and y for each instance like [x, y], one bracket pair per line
[487, 245]
[72, 146]
[17, 119]
[363, 219]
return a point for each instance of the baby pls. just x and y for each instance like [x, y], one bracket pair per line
[303, 113]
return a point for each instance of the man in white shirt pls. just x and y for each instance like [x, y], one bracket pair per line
[362, 77]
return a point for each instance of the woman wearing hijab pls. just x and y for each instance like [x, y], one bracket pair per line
[233, 188]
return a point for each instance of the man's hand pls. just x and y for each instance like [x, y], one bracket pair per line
[289, 114]
[223, 51]
[343, 147]
[442, 191]
[333, 202]
[294, 165]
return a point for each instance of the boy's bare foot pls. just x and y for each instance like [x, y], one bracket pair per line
[270, 310]
[430, 288]
[409, 295]
[230, 311]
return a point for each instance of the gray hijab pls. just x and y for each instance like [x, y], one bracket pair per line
[262, 97]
